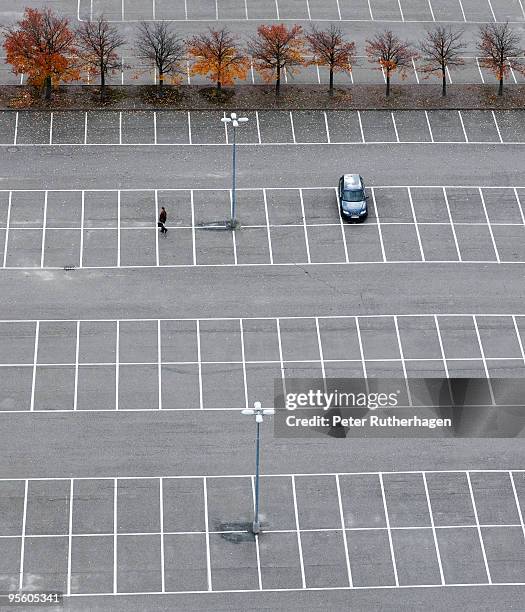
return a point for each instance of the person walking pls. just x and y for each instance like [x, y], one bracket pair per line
[162, 220]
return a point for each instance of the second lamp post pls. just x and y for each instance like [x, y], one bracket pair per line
[235, 121]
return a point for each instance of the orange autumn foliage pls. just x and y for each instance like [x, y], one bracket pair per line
[217, 56]
[41, 46]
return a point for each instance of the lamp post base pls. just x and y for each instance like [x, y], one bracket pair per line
[233, 224]
[256, 527]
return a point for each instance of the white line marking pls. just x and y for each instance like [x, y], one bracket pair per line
[22, 542]
[518, 507]
[307, 244]
[431, 11]
[15, 138]
[51, 129]
[216, 10]
[243, 357]
[85, 127]
[199, 361]
[489, 225]
[441, 348]
[70, 537]
[480, 73]
[395, 126]
[452, 224]
[519, 205]
[370, 10]
[208, 555]
[268, 234]
[162, 557]
[462, 11]
[77, 346]
[115, 516]
[246, 9]
[277, 9]
[120, 124]
[122, 9]
[429, 128]
[343, 233]
[308, 10]
[403, 362]
[225, 128]
[338, 10]
[281, 360]
[193, 244]
[492, 11]
[293, 129]
[154, 125]
[521, 7]
[118, 228]
[485, 367]
[463, 126]
[159, 364]
[479, 528]
[189, 128]
[326, 127]
[415, 70]
[361, 126]
[256, 536]
[258, 126]
[4, 262]
[416, 225]
[389, 531]
[345, 542]
[299, 544]
[401, 10]
[117, 364]
[436, 545]
[320, 349]
[44, 222]
[35, 359]
[361, 351]
[185, 9]
[378, 225]
[82, 217]
[497, 126]
[156, 203]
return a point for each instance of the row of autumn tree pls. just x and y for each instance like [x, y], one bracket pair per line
[44, 47]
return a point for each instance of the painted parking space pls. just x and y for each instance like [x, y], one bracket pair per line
[118, 228]
[304, 10]
[182, 364]
[320, 531]
[265, 127]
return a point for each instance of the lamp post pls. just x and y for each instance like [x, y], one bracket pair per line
[258, 412]
[235, 121]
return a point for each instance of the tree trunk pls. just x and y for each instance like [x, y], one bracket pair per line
[48, 88]
[102, 83]
[444, 87]
[331, 81]
[219, 85]
[387, 83]
[278, 81]
[161, 80]
[500, 89]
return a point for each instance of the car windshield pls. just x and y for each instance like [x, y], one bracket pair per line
[356, 195]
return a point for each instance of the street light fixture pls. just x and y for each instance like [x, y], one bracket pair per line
[235, 121]
[258, 412]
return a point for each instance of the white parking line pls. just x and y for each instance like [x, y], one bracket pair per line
[15, 138]
[483, 359]
[268, 233]
[452, 224]
[199, 363]
[22, 540]
[216, 10]
[85, 127]
[497, 126]
[395, 126]
[343, 233]
[416, 225]
[389, 531]
[258, 126]
[118, 228]
[51, 129]
[519, 205]
[246, 9]
[299, 543]
[431, 10]
[70, 537]
[480, 535]
[436, 544]
[44, 223]
[256, 537]
[243, 357]
[370, 11]
[343, 528]
[480, 73]
[326, 127]
[8, 222]
[489, 225]
[415, 69]
[193, 243]
[154, 127]
[492, 11]
[304, 227]
[207, 527]
[82, 216]
[462, 10]
[277, 10]
[117, 364]
[189, 128]
[77, 347]
[293, 129]
[429, 127]
[361, 126]
[401, 10]
[156, 212]
[115, 531]
[378, 225]
[338, 9]
[185, 9]
[159, 364]
[463, 126]
[161, 525]
[35, 361]
[518, 507]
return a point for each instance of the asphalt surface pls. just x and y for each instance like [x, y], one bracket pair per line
[121, 548]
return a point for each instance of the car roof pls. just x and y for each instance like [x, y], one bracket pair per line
[352, 181]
